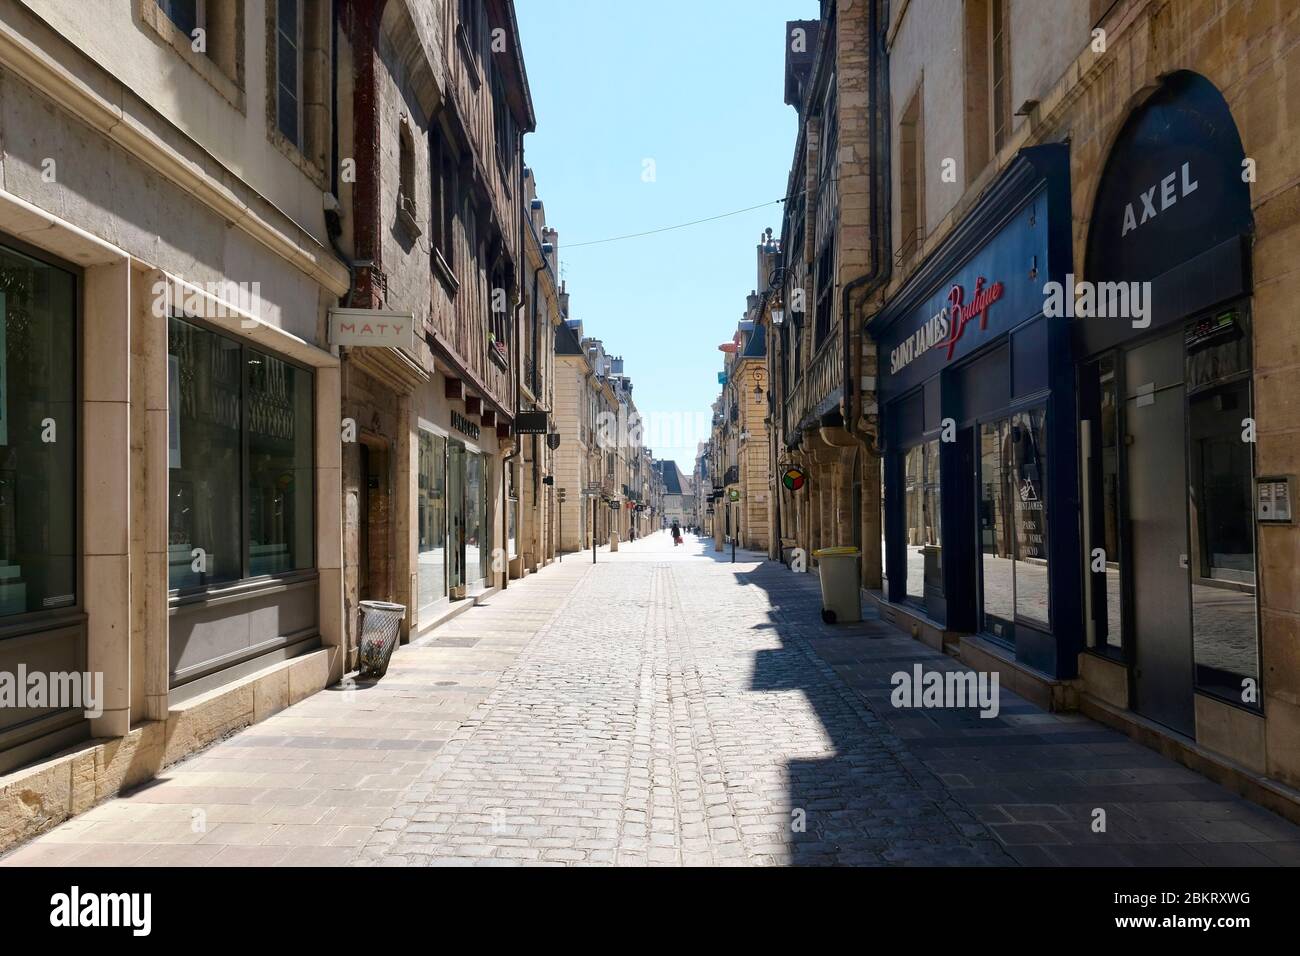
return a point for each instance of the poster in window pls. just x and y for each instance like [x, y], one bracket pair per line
[173, 411]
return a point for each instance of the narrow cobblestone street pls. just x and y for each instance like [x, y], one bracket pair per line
[664, 706]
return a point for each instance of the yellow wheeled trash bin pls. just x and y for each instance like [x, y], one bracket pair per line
[841, 600]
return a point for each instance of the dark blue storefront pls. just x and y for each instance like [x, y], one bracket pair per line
[979, 419]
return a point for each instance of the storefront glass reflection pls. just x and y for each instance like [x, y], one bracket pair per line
[924, 555]
[997, 531]
[1220, 475]
[38, 479]
[475, 542]
[432, 508]
[1013, 522]
[204, 447]
[280, 492]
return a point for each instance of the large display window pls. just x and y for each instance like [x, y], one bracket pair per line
[240, 454]
[1013, 523]
[432, 507]
[38, 435]
[923, 533]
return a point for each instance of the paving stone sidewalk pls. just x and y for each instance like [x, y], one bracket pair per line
[310, 785]
[665, 707]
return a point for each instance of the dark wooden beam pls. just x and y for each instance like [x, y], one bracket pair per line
[455, 389]
[503, 431]
[489, 418]
[473, 404]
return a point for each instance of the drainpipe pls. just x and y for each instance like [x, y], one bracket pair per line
[514, 359]
[879, 145]
[334, 216]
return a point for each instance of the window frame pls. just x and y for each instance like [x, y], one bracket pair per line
[298, 141]
[17, 625]
[444, 210]
[246, 579]
[227, 78]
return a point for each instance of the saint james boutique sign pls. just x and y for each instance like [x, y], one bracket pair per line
[946, 327]
[984, 281]
[1173, 185]
[372, 328]
[464, 425]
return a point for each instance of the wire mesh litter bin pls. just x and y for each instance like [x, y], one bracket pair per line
[380, 626]
[838, 569]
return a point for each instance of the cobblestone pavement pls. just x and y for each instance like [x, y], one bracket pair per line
[666, 716]
[665, 707]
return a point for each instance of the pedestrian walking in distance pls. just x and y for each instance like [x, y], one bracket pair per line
[677, 534]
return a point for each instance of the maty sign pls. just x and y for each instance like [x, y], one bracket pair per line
[373, 328]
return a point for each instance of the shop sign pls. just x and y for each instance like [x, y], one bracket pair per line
[946, 327]
[531, 423]
[1174, 185]
[793, 479]
[733, 495]
[372, 328]
[464, 425]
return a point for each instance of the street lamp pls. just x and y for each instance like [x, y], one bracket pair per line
[758, 385]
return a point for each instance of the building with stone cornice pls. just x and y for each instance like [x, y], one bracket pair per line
[1086, 475]
[170, 454]
[823, 412]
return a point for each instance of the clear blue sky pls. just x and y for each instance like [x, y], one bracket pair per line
[698, 87]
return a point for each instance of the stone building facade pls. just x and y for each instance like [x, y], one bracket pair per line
[823, 404]
[1085, 497]
[171, 465]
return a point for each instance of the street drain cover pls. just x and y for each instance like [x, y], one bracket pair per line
[445, 683]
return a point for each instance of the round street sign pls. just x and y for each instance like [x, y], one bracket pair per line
[733, 495]
[793, 478]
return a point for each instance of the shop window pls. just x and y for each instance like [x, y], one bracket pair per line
[997, 532]
[432, 516]
[1222, 528]
[911, 178]
[884, 541]
[240, 450]
[1013, 523]
[476, 537]
[38, 436]
[1100, 400]
[512, 514]
[281, 526]
[924, 553]
[1028, 446]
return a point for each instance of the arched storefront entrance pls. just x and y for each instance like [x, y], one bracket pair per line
[1162, 331]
